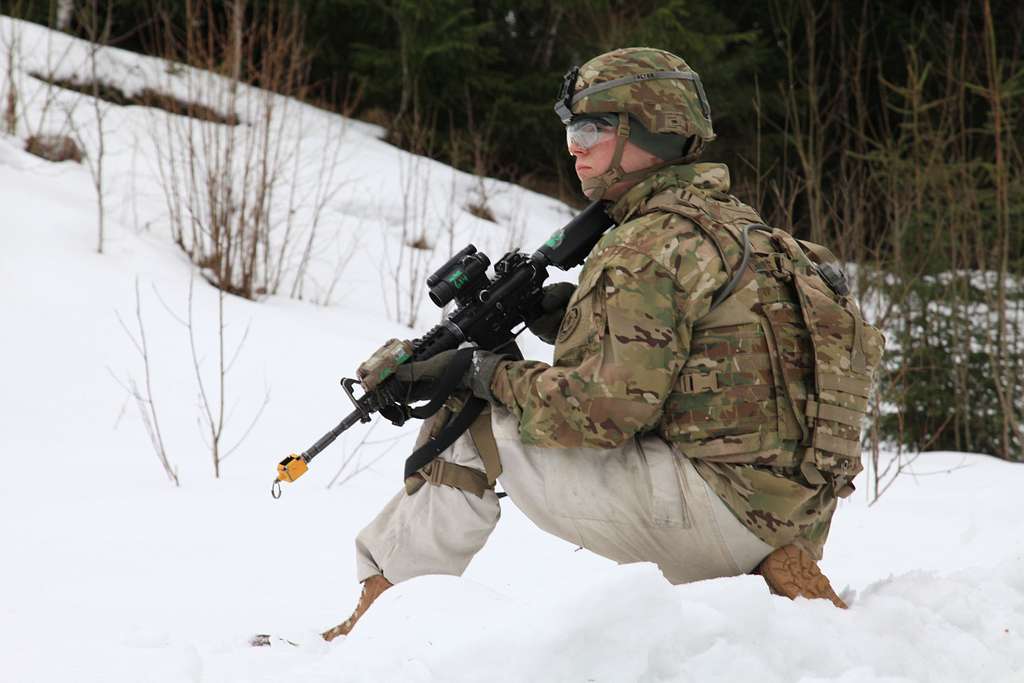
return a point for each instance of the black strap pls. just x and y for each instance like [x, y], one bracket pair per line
[452, 431]
[460, 424]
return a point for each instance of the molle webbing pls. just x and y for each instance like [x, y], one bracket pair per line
[725, 406]
[824, 411]
[846, 353]
[819, 354]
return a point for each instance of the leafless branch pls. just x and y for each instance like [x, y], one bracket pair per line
[144, 398]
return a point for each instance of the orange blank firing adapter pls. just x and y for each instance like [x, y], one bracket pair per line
[291, 468]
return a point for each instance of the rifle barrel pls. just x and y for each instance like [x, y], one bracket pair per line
[328, 438]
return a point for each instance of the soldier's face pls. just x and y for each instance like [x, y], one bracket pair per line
[595, 160]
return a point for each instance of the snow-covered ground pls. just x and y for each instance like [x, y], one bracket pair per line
[110, 573]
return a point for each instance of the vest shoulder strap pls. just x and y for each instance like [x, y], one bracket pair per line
[716, 219]
[821, 254]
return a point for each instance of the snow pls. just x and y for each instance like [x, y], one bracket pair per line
[110, 573]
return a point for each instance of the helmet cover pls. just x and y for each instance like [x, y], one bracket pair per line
[656, 87]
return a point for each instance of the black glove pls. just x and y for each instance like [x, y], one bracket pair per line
[419, 380]
[553, 304]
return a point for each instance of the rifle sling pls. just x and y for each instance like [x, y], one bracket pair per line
[452, 431]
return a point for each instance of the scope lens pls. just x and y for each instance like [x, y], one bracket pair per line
[442, 293]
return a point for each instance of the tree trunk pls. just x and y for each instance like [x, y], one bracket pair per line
[65, 10]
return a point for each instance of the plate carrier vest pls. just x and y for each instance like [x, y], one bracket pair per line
[784, 356]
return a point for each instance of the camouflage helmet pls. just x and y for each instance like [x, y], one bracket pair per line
[655, 86]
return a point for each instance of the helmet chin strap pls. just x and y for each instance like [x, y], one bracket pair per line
[595, 188]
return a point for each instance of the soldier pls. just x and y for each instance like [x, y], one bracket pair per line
[710, 373]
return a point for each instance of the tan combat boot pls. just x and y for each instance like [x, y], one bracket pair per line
[372, 588]
[791, 572]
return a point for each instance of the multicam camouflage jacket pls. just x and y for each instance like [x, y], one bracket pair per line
[640, 349]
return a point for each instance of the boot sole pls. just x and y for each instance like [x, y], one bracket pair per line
[793, 573]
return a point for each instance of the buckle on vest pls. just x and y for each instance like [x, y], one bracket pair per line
[781, 266]
[695, 383]
[433, 471]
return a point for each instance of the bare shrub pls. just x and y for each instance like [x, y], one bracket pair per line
[420, 243]
[54, 148]
[481, 210]
[146, 97]
[451, 213]
[144, 396]
[214, 414]
[352, 461]
[233, 193]
[11, 45]
[96, 19]
[516, 224]
[23, 92]
[378, 117]
[319, 192]
[20, 95]
[405, 275]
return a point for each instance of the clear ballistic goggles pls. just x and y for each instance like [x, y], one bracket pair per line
[584, 132]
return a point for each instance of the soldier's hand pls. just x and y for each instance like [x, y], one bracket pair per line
[553, 304]
[420, 381]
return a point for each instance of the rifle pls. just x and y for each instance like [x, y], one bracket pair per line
[486, 315]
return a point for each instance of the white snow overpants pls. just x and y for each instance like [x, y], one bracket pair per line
[637, 503]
